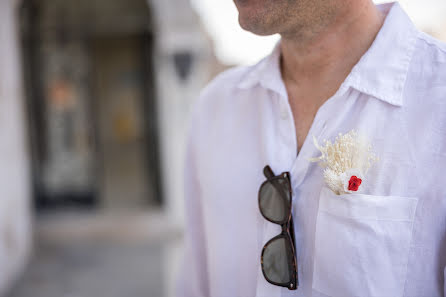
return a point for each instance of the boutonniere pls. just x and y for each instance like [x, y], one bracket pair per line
[346, 162]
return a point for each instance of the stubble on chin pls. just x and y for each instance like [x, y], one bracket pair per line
[267, 17]
[260, 21]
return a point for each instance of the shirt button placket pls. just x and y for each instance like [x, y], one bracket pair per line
[283, 112]
[285, 132]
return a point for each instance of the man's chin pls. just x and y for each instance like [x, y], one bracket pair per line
[254, 15]
[254, 27]
[244, 3]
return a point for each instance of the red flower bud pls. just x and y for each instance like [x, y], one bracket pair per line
[353, 183]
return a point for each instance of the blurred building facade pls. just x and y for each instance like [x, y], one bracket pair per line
[95, 96]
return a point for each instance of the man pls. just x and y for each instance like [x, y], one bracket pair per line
[340, 65]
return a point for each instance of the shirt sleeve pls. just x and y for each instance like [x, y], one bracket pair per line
[192, 280]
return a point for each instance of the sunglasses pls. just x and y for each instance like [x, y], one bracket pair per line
[279, 263]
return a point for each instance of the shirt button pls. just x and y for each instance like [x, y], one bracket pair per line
[283, 114]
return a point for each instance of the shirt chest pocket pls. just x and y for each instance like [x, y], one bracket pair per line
[362, 244]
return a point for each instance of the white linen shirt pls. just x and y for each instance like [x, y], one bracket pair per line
[388, 240]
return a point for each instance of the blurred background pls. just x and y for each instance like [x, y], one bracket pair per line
[95, 97]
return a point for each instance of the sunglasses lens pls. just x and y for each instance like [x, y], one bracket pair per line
[275, 261]
[274, 200]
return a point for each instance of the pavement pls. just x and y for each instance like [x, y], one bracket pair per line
[101, 255]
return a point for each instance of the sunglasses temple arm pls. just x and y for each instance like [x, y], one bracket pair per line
[292, 232]
[269, 174]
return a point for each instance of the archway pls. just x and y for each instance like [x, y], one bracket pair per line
[91, 102]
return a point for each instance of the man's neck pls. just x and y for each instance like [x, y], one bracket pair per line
[325, 58]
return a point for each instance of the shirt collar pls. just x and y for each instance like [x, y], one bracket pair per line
[266, 73]
[381, 72]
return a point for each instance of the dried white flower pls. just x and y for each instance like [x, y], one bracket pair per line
[346, 162]
[333, 180]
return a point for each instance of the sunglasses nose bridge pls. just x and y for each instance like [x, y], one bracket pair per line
[285, 226]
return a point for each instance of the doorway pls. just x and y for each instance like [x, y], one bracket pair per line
[91, 103]
[118, 98]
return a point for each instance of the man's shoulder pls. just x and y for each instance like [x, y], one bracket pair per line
[225, 81]
[222, 88]
[427, 71]
[429, 54]
[426, 93]
[220, 91]
[428, 43]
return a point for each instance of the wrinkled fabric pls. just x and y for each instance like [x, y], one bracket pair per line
[387, 240]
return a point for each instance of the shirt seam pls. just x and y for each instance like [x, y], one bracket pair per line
[423, 37]
[364, 219]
